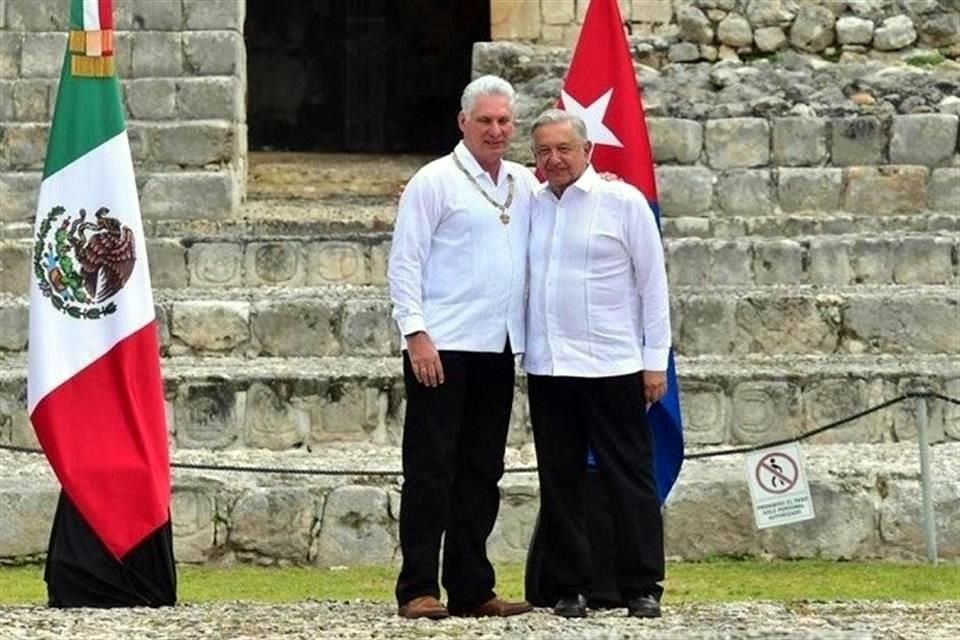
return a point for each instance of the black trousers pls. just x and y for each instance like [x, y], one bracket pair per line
[608, 413]
[454, 437]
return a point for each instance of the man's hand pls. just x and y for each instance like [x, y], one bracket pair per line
[654, 385]
[424, 359]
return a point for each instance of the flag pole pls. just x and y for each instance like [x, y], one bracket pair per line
[926, 484]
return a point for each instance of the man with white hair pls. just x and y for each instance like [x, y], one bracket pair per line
[598, 339]
[457, 276]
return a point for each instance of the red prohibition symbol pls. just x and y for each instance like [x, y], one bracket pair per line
[777, 473]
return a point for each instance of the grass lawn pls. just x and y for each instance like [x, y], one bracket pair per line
[713, 581]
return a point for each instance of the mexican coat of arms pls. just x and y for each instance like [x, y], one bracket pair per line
[80, 264]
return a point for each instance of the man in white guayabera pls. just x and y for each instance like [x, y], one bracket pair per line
[457, 276]
[598, 339]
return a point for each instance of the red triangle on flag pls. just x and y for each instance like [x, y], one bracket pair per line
[601, 63]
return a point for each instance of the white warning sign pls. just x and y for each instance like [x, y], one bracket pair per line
[778, 486]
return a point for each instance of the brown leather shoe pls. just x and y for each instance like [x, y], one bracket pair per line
[497, 608]
[423, 607]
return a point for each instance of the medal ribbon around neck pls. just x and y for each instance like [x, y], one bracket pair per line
[502, 208]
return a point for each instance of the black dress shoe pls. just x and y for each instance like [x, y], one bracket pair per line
[573, 607]
[643, 607]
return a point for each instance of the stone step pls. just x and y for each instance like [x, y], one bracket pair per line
[710, 195]
[293, 403]
[799, 226]
[866, 499]
[308, 177]
[355, 320]
[296, 255]
[350, 214]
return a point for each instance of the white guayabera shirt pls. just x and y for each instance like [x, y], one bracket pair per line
[455, 270]
[598, 287]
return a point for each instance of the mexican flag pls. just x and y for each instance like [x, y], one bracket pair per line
[94, 389]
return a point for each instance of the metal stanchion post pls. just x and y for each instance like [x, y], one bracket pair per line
[926, 486]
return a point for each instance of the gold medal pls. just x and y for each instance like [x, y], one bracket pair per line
[502, 208]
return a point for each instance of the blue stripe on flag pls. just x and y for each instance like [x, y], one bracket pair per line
[666, 426]
[666, 422]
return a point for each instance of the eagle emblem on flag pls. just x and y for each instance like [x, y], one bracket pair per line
[81, 263]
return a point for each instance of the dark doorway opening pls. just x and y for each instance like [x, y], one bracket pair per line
[359, 75]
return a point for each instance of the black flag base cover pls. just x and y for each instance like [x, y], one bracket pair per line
[540, 588]
[81, 572]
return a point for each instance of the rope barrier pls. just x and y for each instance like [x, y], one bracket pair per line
[827, 427]
[692, 456]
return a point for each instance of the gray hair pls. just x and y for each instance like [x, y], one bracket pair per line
[487, 86]
[559, 116]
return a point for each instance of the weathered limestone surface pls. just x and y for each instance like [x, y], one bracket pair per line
[799, 141]
[801, 189]
[357, 523]
[794, 112]
[858, 141]
[183, 71]
[737, 142]
[885, 190]
[25, 517]
[676, 140]
[865, 499]
[810, 209]
[735, 320]
[229, 403]
[925, 139]
[235, 262]
[694, 30]
[745, 192]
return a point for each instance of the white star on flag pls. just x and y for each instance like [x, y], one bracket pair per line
[593, 117]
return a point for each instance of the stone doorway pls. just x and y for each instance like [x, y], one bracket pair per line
[374, 76]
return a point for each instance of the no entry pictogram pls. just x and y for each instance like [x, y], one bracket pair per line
[778, 485]
[777, 472]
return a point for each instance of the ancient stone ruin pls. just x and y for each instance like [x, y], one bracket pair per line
[809, 179]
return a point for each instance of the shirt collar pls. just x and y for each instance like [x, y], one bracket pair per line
[586, 182]
[472, 166]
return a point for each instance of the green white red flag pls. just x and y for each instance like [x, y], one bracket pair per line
[94, 390]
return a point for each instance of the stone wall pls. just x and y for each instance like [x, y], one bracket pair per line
[866, 499]
[183, 71]
[691, 30]
[183, 65]
[810, 210]
[738, 139]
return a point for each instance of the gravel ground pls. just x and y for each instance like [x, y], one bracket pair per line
[312, 619]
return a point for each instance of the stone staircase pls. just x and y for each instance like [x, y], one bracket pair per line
[278, 352]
